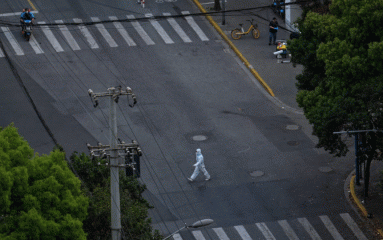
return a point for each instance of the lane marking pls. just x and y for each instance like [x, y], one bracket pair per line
[159, 29]
[14, 14]
[104, 32]
[92, 43]
[1, 53]
[353, 226]
[288, 230]
[242, 232]
[265, 231]
[123, 32]
[141, 31]
[68, 36]
[36, 47]
[33, 6]
[198, 235]
[221, 234]
[331, 228]
[15, 45]
[177, 28]
[309, 228]
[211, 2]
[195, 27]
[177, 237]
[51, 38]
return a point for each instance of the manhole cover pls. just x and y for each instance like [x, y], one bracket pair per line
[199, 138]
[325, 169]
[257, 173]
[292, 127]
[293, 143]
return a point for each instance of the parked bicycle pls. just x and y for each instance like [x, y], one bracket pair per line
[237, 33]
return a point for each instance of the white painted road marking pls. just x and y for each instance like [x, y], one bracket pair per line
[51, 38]
[122, 31]
[309, 228]
[265, 231]
[288, 230]
[159, 29]
[2, 53]
[104, 32]
[141, 31]
[36, 47]
[177, 237]
[177, 28]
[242, 232]
[68, 36]
[353, 226]
[198, 235]
[14, 14]
[92, 43]
[15, 45]
[195, 27]
[331, 228]
[221, 234]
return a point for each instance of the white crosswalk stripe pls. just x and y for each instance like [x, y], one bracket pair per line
[123, 32]
[198, 235]
[89, 38]
[221, 234]
[177, 237]
[141, 31]
[2, 53]
[159, 29]
[309, 228]
[51, 38]
[108, 38]
[36, 47]
[353, 226]
[265, 231]
[288, 230]
[242, 232]
[331, 228]
[177, 28]
[68, 36]
[15, 45]
[195, 27]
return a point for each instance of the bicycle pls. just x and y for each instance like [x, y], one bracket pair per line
[237, 33]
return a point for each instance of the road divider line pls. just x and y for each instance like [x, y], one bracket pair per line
[159, 29]
[68, 36]
[122, 31]
[15, 45]
[235, 49]
[33, 6]
[92, 43]
[141, 31]
[195, 26]
[101, 28]
[177, 28]
[51, 38]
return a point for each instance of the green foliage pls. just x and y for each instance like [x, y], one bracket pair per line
[40, 196]
[134, 208]
[341, 85]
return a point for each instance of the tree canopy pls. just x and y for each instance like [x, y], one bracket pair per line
[341, 85]
[40, 197]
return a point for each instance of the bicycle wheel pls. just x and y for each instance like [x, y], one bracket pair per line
[256, 33]
[235, 34]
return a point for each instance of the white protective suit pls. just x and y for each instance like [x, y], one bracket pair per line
[200, 165]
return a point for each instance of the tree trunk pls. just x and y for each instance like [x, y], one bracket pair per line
[217, 5]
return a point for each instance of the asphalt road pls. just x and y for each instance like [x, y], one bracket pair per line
[186, 87]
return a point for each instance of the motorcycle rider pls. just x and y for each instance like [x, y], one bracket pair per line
[26, 15]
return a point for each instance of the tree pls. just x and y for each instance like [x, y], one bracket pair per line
[134, 208]
[341, 85]
[40, 196]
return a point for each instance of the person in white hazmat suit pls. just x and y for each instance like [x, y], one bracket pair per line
[199, 166]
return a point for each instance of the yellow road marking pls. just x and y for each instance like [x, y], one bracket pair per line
[33, 6]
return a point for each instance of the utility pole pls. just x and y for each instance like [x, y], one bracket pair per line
[114, 151]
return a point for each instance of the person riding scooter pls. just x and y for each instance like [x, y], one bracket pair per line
[26, 15]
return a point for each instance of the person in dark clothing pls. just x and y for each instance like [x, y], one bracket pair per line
[273, 31]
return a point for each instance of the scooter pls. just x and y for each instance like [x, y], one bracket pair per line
[27, 29]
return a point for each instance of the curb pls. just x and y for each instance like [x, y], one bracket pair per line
[232, 46]
[360, 206]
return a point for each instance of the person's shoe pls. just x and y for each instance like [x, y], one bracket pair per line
[190, 180]
[269, 43]
[207, 179]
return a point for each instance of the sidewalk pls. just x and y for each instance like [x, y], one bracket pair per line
[280, 77]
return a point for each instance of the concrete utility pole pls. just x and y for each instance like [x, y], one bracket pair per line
[114, 151]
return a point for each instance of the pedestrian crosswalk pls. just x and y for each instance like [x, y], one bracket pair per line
[337, 227]
[133, 33]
